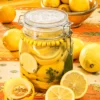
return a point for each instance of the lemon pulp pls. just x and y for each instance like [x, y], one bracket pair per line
[76, 81]
[47, 52]
[58, 92]
[18, 88]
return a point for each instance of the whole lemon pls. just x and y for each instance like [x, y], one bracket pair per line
[7, 14]
[51, 3]
[78, 45]
[79, 5]
[64, 7]
[50, 73]
[90, 57]
[11, 39]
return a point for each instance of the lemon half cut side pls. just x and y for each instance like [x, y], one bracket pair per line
[13, 86]
[28, 62]
[58, 92]
[76, 81]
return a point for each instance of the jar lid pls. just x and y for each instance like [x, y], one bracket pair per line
[45, 18]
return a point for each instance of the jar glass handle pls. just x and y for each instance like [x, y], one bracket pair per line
[68, 27]
[20, 20]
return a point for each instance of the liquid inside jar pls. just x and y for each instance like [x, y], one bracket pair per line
[44, 54]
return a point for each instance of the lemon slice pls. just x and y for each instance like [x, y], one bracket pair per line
[28, 62]
[58, 92]
[18, 88]
[76, 81]
[47, 52]
[48, 61]
[39, 49]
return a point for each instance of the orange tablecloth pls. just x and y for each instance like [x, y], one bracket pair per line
[89, 32]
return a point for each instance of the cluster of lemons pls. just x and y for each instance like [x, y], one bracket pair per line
[69, 88]
[15, 36]
[11, 37]
[69, 5]
[43, 59]
[38, 74]
[88, 55]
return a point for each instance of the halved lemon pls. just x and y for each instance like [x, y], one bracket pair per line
[18, 89]
[46, 52]
[58, 92]
[76, 81]
[28, 62]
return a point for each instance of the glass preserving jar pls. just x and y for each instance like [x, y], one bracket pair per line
[45, 47]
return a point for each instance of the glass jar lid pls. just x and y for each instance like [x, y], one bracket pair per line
[45, 18]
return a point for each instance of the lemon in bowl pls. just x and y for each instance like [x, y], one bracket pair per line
[77, 10]
[80, 12]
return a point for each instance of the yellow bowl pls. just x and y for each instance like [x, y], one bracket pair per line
[78, 17]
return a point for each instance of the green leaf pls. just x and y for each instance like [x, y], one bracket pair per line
[98, 34]
[99, 11]
[96, 87]
[92, 33]
[69, 63]
[86, 33]
[2, 65]
[13, 71]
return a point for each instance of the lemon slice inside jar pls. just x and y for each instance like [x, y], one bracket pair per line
[39, 50]
[48, 61]
[28, 62]
[18, 88]
[47, 52]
